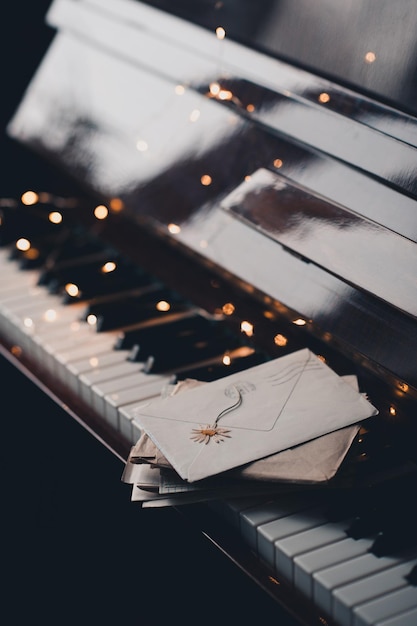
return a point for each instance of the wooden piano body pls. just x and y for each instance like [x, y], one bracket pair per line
[242, 170]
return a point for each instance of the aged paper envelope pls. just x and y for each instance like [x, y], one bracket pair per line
[252, 414]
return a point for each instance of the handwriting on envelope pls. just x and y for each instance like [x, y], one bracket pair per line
[249, 415]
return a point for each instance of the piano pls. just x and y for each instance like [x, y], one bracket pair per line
[205, 186]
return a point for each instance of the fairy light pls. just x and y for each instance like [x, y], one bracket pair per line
[163, 305]
[28, 322]
[55, 217]
[101, 212]
[92, 319]
[179, 90]
[108, 267]
[370, 57]
[246, 328]
[392, 410]
[220, 32]
[324, 97]
[72, 290]
[299, 322]
[174, 229]
[23, 244]
[226, 359]
[228, 308]
[206, 180]
[280, 340]
[250, 108]
[277, 163]
[29, 198]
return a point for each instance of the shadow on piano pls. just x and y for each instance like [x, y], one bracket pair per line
[246, 178]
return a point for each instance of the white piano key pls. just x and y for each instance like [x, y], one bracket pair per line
[409, 618]
[307, 564]
[96, 345]
[328, 580]
[252, 519]
[398, 608]
[144, 391]
[271, 532]
[93, 365]
[288, 548]
[346, 598]
[101, 374]
[117, 385]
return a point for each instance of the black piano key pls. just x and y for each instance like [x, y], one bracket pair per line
[150, 304]
[219, 369]
[412, 576]
[95, 278]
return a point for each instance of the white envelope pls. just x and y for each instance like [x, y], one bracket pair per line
[263, 410]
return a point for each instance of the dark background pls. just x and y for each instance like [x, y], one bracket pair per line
[74, 549]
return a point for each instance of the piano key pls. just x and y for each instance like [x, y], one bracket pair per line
[100, 374]
[398, 608]
[109, 387]
[90, 366]
[361, 566]
[346, 598]
[288, 548]
[130, 398]
[404, 619]
[138, 306]
[306, 565]
[273, 531]
[252, 519]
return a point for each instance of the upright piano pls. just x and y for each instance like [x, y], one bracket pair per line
[249, 170]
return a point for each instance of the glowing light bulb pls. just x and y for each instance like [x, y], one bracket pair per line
[101, 212]
[55, 217]
[29, 198]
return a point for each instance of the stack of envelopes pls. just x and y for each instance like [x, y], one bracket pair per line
[287, 422]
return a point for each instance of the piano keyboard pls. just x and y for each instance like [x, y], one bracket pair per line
[119, 347]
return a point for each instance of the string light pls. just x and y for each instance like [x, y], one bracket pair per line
[101, 212]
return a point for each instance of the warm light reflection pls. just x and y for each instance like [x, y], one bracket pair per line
[299, 322]
[141, 145]
[28, 322]
[23, 244]
[214, 89]
[91, 319]
[32, 254]
[194, 115]
[225, 94]
[93, 361]
[403, 387]
[179, 90]
[321, 358]
[55, 217]
[247, 178]
[29, 198]
[50, 315]
[108, 267]
[203, 243]
[163, 305]
[370, 57]
[247, 328]
[278, 163]
[392, 410]
[228, 308]
[116, 205]
[250, 108]
[206, 180]
[72, 290]
[220, 32]
[280, 340]
[324, 97]
[101, 212]
[226, 359]
[16, 351]
[174, 229]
